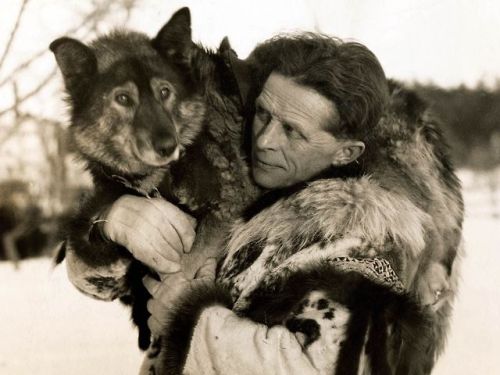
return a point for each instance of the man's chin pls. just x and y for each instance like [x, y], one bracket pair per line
[266, 179]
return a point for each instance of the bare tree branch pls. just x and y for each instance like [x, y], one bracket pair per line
[25, 116]
[33, 92]
[13, 33]
[40, 120]
[16, 99]
[93, 17]
[10, 132]
[22, 66]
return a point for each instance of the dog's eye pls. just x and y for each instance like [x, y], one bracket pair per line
[165, 93]
[124, 100]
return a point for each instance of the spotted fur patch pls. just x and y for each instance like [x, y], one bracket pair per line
[316, 317]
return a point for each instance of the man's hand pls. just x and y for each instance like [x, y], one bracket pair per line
[165, 293]
[155, 231]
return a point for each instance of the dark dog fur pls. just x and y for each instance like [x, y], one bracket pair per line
[136, 104]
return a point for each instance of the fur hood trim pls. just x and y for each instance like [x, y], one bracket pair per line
[330, 209]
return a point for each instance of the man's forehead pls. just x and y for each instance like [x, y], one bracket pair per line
[288, 98]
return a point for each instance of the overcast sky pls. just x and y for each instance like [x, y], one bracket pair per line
[445, 41]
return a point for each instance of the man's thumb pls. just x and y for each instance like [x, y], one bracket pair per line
[207, 271]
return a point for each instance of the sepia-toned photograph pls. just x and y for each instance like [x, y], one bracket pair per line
[228, 187]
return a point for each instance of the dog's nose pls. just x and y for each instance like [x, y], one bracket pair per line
[164, 145]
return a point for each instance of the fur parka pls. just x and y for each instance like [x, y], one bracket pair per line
[325, 266]
[333, 276]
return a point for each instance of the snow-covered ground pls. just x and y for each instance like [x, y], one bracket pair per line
[47, 327]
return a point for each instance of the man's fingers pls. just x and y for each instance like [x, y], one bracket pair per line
[155, 326]
[155, 231]
[186, 234]
[191, 220]
[207, 271]
[148, 218]
[170, 236]
[157, 261]
[156, 308]
[151, 284]
[151, 250]
[166, 285]
[181, 222]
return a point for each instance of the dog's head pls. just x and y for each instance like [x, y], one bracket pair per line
[134, 106]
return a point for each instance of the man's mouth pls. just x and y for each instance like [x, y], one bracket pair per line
[264, 163]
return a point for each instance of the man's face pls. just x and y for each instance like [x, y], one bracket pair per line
[290, 142]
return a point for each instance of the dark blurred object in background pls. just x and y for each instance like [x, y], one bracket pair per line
[471, 123]
[470, 119]
[25, 232]
[20, 223]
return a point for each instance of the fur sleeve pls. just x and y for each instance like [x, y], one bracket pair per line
[205, 336]
[176, 338]
[105, 282]
[322, 329]
[97, 267]
[383, 329]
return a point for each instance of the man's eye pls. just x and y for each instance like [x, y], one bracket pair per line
[165, 93]
[124, 100]
[289, 128]
[262, 114]
[291, 131]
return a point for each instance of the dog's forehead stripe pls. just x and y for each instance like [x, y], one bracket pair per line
[128, 85]
[121, 45]
[140, 72]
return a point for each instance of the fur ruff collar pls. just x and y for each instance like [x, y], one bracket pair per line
[355, 225]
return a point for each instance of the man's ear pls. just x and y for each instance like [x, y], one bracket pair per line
[348, 152]
[76, 61]
[174, 38]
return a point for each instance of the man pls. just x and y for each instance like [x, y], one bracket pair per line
[317, 279]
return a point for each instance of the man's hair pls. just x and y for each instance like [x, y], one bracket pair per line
[347, 73]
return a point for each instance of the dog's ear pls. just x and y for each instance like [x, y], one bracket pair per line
[241, 69]
[174, 39]
[76, 61]
[225, 46]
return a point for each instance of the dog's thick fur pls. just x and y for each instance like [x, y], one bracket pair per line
[131, 148]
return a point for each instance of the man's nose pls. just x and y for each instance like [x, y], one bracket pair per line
[269, 135]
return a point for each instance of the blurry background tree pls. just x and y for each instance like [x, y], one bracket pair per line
[39, 181]
[471, 121]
